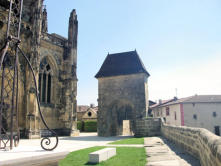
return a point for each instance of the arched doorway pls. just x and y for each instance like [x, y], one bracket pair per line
[119, 111]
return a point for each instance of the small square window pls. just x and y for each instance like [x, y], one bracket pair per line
[217, 130]
[214, 114]
[195, 116]
[167, 111]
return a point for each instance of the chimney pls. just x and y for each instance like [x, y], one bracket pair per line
[92, 105]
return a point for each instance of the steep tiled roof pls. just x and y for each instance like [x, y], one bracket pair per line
[162, 103]
[85, 108]
[82, 108]
[181, 100]
[95, 108]
[121, 64]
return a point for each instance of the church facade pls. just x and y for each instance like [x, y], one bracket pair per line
[54, 60]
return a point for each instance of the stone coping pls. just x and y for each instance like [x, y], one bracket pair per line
[198, 142]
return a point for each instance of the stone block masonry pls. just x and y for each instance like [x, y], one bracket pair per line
[122, 92]
[54, 60]
[147, 127]
[198, 142]
[101, 155]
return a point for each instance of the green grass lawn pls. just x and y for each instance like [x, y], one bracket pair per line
[129, 141]
[126, 156]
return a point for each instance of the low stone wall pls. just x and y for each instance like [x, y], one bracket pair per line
[147, 127]
[198, 142]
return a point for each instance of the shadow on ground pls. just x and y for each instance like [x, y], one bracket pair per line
[93, 138]
[183, 155]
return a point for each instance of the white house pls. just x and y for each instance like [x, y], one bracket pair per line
[202, 111]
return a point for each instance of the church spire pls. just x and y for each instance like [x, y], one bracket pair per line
[73, 30]
[44, 20]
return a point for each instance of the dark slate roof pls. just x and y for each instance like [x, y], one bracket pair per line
[151, 103]
[121, 64]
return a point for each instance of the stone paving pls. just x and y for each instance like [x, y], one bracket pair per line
[161, 152]
[29, 152]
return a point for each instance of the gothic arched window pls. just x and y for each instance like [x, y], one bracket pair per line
[45, 81]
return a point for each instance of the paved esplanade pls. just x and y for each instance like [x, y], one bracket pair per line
[30, 152]
[161, 152]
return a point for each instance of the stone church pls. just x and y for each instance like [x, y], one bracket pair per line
[122, 92]
[54, 59]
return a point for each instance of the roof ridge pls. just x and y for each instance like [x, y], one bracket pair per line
[120, 53]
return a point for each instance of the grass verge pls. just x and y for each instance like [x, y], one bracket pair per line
[129, 141]
[126, 156]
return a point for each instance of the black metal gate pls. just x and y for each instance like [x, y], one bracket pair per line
[13, 63]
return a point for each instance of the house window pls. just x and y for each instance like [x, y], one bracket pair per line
[193, 104]
[89, 114]
[195, 116]
[175, 115]
[167, 111]
[214, 114]
[158, 113]
[45, 82]
[217, 130]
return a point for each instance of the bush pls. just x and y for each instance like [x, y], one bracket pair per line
[80, 125]
[90, 126]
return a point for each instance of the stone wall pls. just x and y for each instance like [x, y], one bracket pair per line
[127, 128]
[198, 142]
[120, 98]
[208, 115]
[60, 54]
[147, 127]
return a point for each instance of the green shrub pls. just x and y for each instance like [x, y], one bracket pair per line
[80, 125]
[90, 126]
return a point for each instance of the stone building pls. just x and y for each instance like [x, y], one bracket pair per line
[202, 111]
[90, 114]
[122, 92]
[86, 112]
[157, 110]
[81, 110]
[54, 59]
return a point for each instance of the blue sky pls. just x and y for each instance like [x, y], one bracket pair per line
[179, 41]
